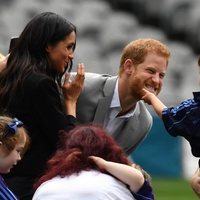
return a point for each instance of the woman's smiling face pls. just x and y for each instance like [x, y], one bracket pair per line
[61, 53]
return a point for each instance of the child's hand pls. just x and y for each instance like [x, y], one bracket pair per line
[147, 96]
[100, 162]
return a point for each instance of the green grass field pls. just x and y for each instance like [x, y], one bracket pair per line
[172, 189]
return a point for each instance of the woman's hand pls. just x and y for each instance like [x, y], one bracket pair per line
[72, 89]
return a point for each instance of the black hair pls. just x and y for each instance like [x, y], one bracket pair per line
[29, 54]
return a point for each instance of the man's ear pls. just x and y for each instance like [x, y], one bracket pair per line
[128, 66]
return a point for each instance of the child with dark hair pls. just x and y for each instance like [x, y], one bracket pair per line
[13, 143]
[91, 165]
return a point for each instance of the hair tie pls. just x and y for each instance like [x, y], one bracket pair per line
[12, 127]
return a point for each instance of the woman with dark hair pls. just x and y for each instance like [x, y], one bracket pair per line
[91, 165]
[30, 89]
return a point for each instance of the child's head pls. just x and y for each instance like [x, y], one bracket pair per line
[14, 141]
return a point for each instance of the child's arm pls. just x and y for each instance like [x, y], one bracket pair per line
[127, 174]
[151, 99]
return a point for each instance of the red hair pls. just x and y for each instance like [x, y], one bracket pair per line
[88, 140]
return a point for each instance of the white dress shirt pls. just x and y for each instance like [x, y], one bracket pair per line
[113, 122]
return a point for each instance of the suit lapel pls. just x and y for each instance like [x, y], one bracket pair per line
[102, 109]
[135, 129]
[104, 103]
[131, 133]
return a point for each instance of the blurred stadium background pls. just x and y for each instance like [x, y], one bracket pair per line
[104, 28]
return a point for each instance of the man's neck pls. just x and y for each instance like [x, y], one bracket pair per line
[125, 111]
[127, 101]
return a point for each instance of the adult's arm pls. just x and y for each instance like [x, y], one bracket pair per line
[47, 109]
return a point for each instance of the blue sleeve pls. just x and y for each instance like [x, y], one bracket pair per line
[5, 193]
[182, 120]
[145, 192]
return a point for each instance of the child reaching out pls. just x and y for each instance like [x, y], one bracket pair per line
[13, 143]
[182, 120]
